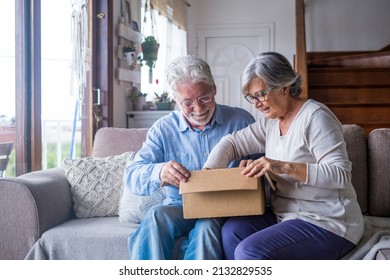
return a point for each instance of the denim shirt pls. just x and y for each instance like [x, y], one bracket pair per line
[171, 138]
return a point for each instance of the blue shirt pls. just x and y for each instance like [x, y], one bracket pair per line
[171, 138]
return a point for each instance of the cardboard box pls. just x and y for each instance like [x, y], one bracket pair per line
[222, 193]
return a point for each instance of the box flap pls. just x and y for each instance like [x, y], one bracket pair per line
[218, 180]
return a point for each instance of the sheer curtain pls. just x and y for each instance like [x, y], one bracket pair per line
[173, 43]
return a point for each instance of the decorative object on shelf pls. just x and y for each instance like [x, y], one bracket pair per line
[164, 101]
[126, 12]
[150, 48]
[130, 53]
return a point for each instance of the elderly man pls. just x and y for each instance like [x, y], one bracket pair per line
[175, 145]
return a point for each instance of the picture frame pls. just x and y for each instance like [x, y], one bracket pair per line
[135, 26]
[126, 12]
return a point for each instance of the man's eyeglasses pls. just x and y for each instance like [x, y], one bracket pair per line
[201, 100]
[259, 96]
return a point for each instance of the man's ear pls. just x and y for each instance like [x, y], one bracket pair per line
[215, 89]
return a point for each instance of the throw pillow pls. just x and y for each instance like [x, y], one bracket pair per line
[96, 184]
[132, 208]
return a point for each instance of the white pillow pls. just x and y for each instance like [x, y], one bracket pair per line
[96, 184]
[132, 208]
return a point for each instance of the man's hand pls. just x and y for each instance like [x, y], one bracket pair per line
[173, 173]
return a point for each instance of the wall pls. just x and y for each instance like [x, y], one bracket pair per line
[346, 25]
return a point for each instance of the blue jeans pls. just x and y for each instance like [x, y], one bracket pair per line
[164, 225]
[261, 238]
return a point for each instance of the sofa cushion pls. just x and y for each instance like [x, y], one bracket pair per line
[378, 172]
[355, 140]
[99, 238]
[96, 184]
[125, 139]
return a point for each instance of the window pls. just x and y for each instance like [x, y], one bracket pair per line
[172, 40]
[7, 70]
[36, 108]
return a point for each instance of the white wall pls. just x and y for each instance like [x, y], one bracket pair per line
[343, 25]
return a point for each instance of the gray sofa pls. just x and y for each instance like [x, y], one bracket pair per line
[37, 219]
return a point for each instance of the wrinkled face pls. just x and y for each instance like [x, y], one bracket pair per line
[274, 100]
[196, 102]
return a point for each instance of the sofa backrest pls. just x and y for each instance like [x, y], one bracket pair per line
[110, 141]
[355, 140]
[370, 157]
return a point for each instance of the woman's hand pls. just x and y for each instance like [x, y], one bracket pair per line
[172, 173]
[261, 166]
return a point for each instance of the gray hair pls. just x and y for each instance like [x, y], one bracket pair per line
[188, 69]
[275, 70]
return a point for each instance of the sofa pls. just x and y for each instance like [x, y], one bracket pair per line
[38, 219]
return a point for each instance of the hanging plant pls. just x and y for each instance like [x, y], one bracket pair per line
[149, 53]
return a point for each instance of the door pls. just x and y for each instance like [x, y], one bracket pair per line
[228, 49]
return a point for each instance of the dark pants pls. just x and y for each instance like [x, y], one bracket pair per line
[261, 237]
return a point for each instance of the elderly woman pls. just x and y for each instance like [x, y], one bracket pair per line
[314, 213]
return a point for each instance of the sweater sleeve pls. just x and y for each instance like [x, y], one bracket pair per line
[245, 142]
[325, 141]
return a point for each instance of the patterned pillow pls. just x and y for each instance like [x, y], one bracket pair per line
[96, 184]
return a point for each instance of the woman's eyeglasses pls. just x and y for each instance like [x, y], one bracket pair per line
[259, 96]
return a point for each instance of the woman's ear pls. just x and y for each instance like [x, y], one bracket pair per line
[286, 90]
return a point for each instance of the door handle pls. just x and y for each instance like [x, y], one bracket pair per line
[97, 95]
[97, 108]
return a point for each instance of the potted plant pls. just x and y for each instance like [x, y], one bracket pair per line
[164, 101]
[130, 53]
[149, 54]
[137, 98]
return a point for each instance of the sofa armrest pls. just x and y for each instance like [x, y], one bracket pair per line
[29, 205]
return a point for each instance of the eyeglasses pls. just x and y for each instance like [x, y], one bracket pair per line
[259, 96]
[201, 100]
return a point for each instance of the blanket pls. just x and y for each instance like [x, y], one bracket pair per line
[376, 236]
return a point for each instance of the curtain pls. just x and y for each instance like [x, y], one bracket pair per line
[179, 10]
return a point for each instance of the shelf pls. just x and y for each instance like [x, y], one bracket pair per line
[128, 33]
[144, 119]
[128, 75]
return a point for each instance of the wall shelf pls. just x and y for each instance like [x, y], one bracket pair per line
[127, 73]
[144, 119]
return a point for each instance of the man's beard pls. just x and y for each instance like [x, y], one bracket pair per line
[201, 118]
